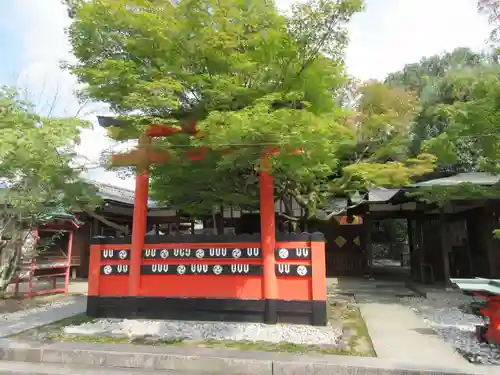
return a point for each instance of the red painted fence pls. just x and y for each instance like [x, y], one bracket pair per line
[210, 278]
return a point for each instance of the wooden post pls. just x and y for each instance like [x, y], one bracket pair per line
[220, 225]
[445, 246]
[178, 223]
[68, 270]
[268, 238]
[409, 233]
[367, 223]
[488, 219]
[95, 230]
[419, 232]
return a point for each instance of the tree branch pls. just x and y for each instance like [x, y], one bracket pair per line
[288, 217]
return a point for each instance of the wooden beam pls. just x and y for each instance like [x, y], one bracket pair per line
[367, 223]
[419, 241]
[109, 223]
[445, 246]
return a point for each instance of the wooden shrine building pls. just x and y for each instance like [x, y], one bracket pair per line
[454, 240]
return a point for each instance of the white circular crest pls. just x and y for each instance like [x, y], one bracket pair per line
[302, 270]
[283, 253]
[200, 253]
[217, 269]
[164, 254]
[181, 269]
[236, 253]
[108, 270]
[122, 254]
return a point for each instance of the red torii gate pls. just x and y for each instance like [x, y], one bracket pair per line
[268, 277]
[145, 155]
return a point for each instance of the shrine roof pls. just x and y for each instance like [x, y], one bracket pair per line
[476, 178]
[119, 194]
[381, 194]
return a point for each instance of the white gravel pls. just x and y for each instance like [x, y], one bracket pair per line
[455, 327]
[174, 329]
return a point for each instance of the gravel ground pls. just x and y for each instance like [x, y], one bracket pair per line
[456, 327]
[174, 329]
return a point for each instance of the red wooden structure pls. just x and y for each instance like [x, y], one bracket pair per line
[239, 278]
[51, 265]
[491, 332]
[488, 289]
[210, 278]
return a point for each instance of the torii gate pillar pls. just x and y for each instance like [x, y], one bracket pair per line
[268, 241]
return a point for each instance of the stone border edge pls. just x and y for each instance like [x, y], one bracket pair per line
[208, 361]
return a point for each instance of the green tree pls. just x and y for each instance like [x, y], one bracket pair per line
[254, 80]
[472, 119]
[491, 8]
[36, 173]
[436, 81]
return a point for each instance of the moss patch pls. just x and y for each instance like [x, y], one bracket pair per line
[355, 330]
[355, 341]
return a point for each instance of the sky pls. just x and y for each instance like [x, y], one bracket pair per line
[385, 37]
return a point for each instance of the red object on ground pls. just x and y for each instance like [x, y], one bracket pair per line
[492, 311]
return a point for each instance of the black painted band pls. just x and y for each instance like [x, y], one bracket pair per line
[209, 309]
[123, 254]
[284, 269]
[201, 269]
[203, 253]
[115, 269]
[292, 253]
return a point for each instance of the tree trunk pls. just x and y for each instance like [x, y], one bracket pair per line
[10, 256]
[292, 225]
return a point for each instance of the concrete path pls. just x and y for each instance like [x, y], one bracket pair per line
[20, 321]
[398, 333]
[27, 368]
[352, 286]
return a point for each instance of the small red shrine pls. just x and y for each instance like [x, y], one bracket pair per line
[264, 277]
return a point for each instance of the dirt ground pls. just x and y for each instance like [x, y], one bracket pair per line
[9, 303]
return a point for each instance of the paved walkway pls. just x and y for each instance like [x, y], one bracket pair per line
[397, 332]
[27, 368]
[20, 321]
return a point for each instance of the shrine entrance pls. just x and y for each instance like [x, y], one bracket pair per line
[344, 246]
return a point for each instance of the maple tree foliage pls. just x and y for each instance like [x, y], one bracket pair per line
[255, 80]
[36, 173]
